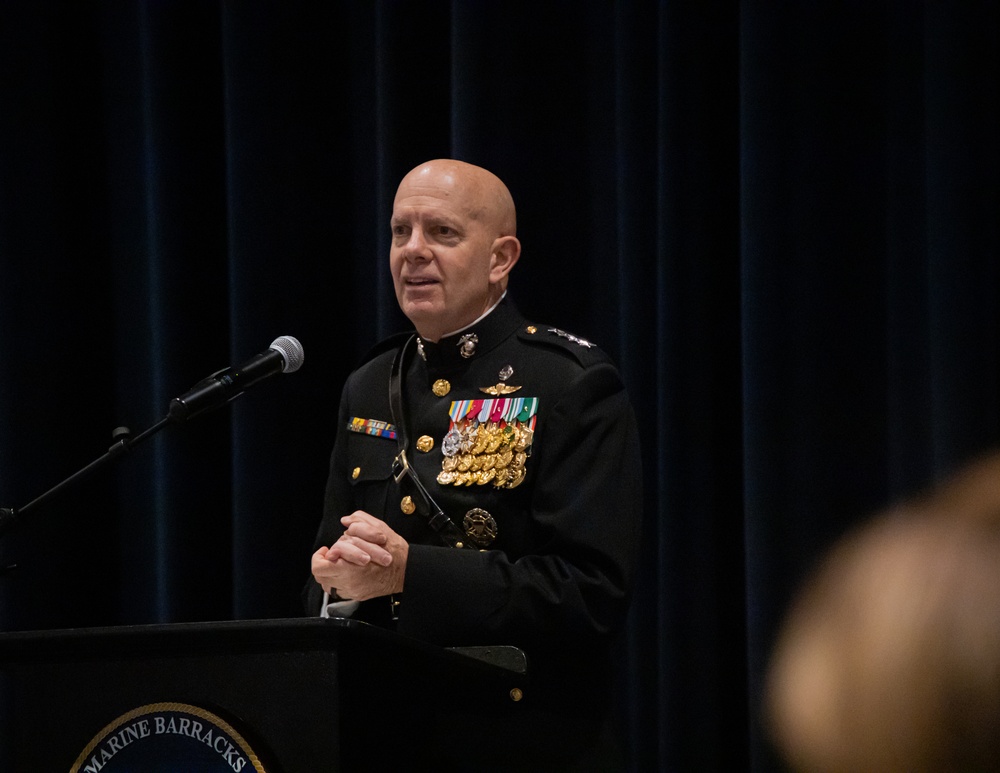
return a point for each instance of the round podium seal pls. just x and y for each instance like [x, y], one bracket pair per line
[168, 736]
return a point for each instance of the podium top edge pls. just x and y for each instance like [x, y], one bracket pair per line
[260, 635]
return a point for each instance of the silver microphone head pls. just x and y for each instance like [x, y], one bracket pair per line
[291, 352]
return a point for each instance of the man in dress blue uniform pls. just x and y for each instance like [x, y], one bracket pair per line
[485, 482]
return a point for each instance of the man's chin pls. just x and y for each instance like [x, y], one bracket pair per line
[425, 314]
[422, 308]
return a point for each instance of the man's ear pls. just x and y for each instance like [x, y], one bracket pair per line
[505, 252]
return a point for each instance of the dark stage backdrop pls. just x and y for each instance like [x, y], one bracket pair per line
[780, 219]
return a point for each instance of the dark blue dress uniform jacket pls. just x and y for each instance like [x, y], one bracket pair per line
[555, 580]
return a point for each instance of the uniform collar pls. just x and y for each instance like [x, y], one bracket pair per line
[474, 341]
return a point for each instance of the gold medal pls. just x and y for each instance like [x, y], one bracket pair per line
[482, 439]
[469, 435]
[496, 439]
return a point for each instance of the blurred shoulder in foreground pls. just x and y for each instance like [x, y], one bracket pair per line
[889, 659]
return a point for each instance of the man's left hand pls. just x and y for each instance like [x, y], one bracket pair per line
[369, 559]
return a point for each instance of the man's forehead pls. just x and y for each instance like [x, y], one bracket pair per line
[445, 175]
[408, 207]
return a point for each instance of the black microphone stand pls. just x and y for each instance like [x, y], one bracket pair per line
[10, 516]
[218, 389]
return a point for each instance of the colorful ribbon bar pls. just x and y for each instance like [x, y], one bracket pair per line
[497, 409]
[373, 427]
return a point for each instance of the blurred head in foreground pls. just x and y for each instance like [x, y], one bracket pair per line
[890, 658]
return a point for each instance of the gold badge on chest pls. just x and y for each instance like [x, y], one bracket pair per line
[480, 527]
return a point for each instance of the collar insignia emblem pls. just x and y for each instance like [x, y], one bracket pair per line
[467, 345]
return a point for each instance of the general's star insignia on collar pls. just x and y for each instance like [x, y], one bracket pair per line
[568, 337]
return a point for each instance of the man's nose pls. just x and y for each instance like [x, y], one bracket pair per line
[416, 247]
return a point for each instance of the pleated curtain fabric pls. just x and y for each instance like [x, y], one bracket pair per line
[780, 220]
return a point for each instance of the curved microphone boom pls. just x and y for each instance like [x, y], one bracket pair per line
[284, 355]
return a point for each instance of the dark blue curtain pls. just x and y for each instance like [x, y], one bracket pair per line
[781, 220]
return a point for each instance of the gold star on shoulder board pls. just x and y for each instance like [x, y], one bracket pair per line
[499, 389]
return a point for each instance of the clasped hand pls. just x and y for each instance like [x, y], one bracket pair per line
[369, 560]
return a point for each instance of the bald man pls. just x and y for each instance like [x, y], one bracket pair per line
[485, 481]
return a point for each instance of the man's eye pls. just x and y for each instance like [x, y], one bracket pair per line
[399, 230]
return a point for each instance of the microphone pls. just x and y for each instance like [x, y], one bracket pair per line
[285, 354]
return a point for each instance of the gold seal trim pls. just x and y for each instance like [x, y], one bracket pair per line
[177, 708]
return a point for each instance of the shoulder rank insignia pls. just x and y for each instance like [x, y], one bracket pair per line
[489, 441]
[563, 334]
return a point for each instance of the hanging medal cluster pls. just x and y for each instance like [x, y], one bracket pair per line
[488, 441]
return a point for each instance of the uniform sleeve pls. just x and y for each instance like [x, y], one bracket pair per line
[584, 520]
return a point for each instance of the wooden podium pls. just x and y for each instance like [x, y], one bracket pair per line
[304, 695]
